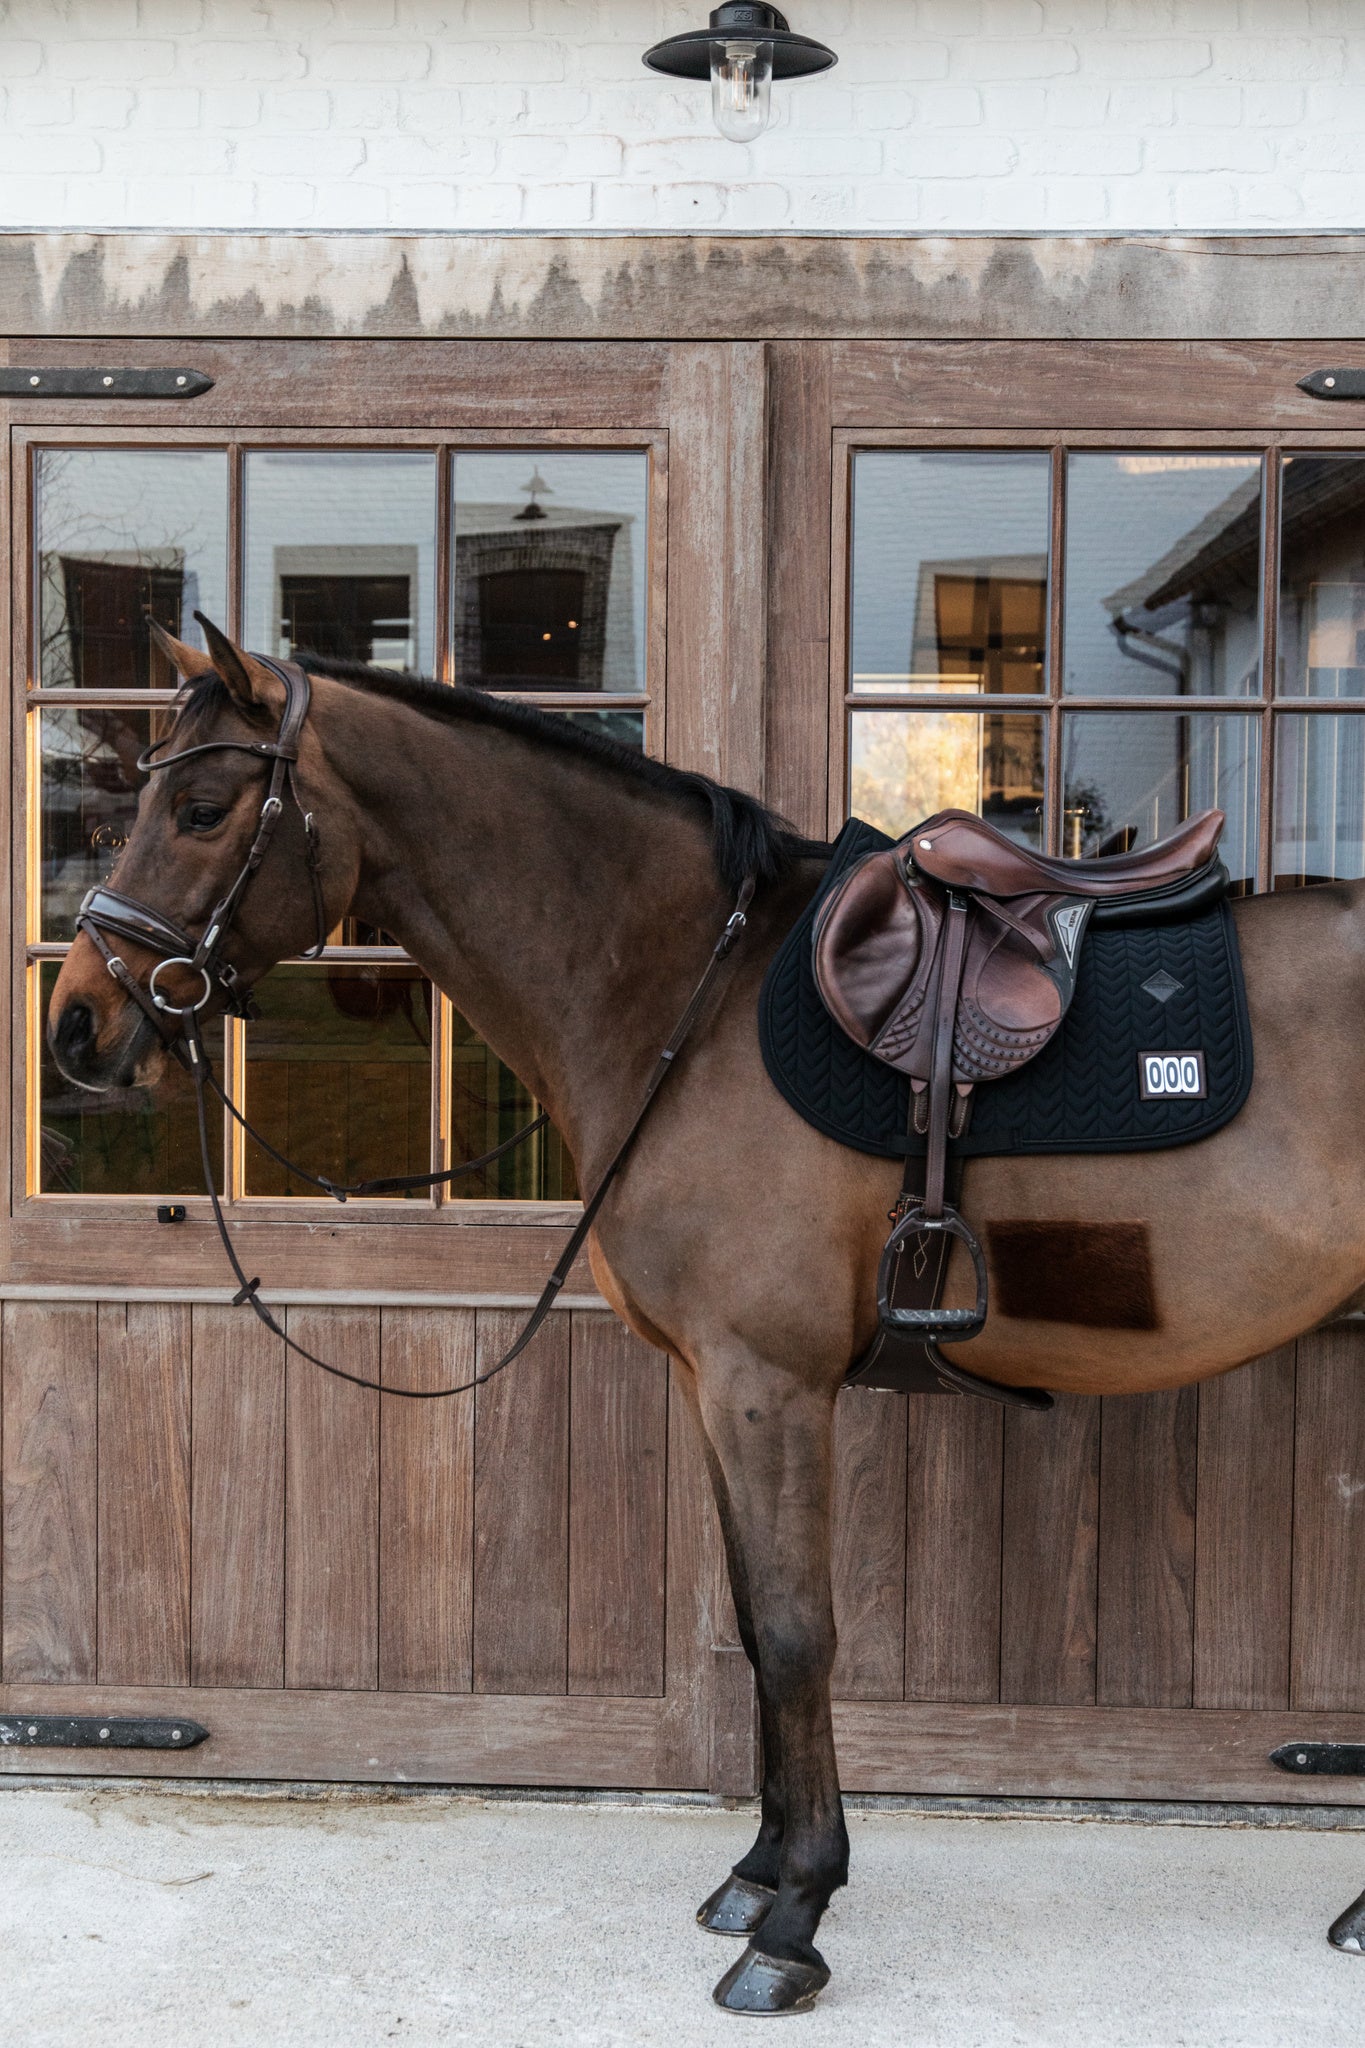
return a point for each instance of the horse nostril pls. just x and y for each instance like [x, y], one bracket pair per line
[75, 1032]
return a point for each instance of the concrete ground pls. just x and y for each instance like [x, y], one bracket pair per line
[165, 1918]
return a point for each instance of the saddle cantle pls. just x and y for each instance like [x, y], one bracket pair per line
[952, 957]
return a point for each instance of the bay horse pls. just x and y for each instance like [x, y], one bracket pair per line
[566, 892]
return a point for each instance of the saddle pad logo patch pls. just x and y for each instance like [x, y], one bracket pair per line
[1172, 1076]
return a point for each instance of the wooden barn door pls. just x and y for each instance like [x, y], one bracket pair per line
[518, 1587]
[1084, 589]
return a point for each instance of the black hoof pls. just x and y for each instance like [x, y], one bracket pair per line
[764, 1986]
[1349, 1931]
[737, 1908]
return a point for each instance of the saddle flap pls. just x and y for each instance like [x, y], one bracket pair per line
[873, 946]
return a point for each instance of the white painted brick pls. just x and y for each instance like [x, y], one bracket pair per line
[1335, 105]
[231, 106]
[1076, 203]
[212, 202]
[169, 17]
[21, 60]
[1022, 57]
[493, 206]
[1270, 199]
[1340, 151]
[756, 206]
[424, 207]
[104, 60]
[627, 206]
[1011, 18]
[369, 206]
[1268, 57]
[565, 206]
[1076, 102]
[1066, 154]
[945, 106]
[435, 110]
[38, 106]
[1209, 106]
[559, 106]
[297, 109]
[430, 156]
[98, 107]
[1074, 17]
[1275, 17]
[126, 155]
[944, 18]
[878, 63]
[949, 153]
[566, 17]
[30, 202]
[817, 156]
[358, 15]
[497, 17]
[468, 63]
[49, 154]
[1203, 202]
[1006, 109]
[1145, 57]
[1279, 106]
[1141, 105]
[820, 206]
[531, 158]
[213, 63]
[814, 105]
[888, 203]
[164, 109]
[378, 62]
[101, 17]
[364, 106]
[1225, 149]
[677, 158]
[278, 156]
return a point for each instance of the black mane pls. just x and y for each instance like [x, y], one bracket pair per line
[746, 837]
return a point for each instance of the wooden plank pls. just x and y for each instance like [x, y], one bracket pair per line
[1086, 1752]
[797, 743]
[695, 1569]
[1145, 1645]
[869, 1544]
[952, 1568]
[237, 1625]
[1244, 1535]
[331, 1634]
[364, 1737]
[426, 1504]
[1327, 1667]
[1050, 1554]
[50, 1435]
[521, 1512]
[144, 1493]
[618, 1480]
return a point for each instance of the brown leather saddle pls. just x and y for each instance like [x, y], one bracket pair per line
[953, 957]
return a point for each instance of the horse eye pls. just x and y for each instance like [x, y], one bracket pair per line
[201, 817]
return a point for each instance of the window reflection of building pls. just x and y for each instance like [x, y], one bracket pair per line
[981, 625]
[545, 606]
[350, 603]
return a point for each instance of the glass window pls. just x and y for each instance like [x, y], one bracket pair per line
[340, 555]
[121, 531]
[950, 558]
[1321, 634]
[90, 785]
[338, 1074]
[905, 765]
[488, 1104]
[551, 558]
[1162, 572]
[123, 1141]
[1319, 801]
[1130, 778]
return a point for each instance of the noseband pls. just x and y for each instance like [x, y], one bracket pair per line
[107, 911]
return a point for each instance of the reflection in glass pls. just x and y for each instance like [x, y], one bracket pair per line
[1319, 801]
[949, 570]
[90, 786]
[905, 765]
[1130, 779]
[551, 555]
[1321, 634]
[488, 1105]
[1162, 573]
[338, 1074]
[121, 530]
[627, 728]
[124, 1141]
[340, 555]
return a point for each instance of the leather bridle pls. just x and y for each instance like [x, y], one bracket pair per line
[107, 911]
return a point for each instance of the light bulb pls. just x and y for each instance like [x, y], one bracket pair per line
[741, 88]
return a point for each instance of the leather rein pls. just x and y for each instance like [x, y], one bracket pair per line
[107, 911]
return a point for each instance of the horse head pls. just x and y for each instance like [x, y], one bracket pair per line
[196, 834]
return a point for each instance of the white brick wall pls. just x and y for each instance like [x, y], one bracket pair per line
[467, 114]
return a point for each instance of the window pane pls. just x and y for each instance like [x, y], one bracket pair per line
[1321, 637]
[1162, 570]
[949, 570]
[489, 1105]
[341, 555]
[338, 1074]
[90, 786]
[551, 556]
[126, 1141]
[1128, 780]
[627, 728]
[121, 529]
[905, 765]
[1319, 801]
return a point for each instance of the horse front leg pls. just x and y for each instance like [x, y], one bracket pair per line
[772, 1437]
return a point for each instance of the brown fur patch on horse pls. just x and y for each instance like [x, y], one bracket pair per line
[1097, 1275]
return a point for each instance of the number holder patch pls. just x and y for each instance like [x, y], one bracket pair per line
[1172, 1076]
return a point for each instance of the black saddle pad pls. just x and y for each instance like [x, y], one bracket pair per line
[1083, 1092]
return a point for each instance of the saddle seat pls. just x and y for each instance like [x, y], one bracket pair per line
[953, 956]
[962, 851]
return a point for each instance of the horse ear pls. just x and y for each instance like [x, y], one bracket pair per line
[189, 662]
[253, 685]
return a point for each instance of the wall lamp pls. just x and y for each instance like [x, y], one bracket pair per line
[746, 47]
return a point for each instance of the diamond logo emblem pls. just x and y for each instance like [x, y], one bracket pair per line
[1162, 986]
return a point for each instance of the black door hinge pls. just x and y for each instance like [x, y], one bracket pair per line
[1334, 383]
[1321, 1759]
[36, 382]
[95, 1731]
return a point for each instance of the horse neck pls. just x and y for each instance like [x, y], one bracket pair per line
[565, 908]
